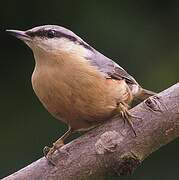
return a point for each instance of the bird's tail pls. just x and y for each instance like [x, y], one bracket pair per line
[144, 94]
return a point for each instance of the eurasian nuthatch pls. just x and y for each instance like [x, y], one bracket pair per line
[77, 84]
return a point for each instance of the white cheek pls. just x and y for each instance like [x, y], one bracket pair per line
[63, 44]
[44, 44]
[58, 45]
[68, 46]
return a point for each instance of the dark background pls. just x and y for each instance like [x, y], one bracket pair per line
[142, 36]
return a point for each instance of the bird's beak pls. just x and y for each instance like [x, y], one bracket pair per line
[19, 34]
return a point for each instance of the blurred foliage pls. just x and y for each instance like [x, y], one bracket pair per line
[142, 36]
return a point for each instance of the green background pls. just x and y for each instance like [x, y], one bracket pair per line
[142, 36]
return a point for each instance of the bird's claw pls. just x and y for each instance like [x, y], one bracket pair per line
[48, 152]
[122, 108]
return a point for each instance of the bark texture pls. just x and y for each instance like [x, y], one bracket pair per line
[113, 148]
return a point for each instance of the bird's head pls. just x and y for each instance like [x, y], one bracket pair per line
[52, 40]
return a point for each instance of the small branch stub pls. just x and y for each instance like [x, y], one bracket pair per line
[127, 165]
[108, 142]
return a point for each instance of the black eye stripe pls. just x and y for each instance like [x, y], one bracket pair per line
[45, 33]
[36, 33]
[57, 34]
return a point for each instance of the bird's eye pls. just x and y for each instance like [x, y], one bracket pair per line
[51, 34]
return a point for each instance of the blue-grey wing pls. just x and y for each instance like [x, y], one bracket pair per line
[110, 68]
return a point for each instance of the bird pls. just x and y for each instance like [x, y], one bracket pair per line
[77, 84]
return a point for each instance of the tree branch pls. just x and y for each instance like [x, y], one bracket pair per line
[112, 147]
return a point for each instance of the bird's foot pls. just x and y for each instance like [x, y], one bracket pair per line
[48, 152]
[122, 108]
